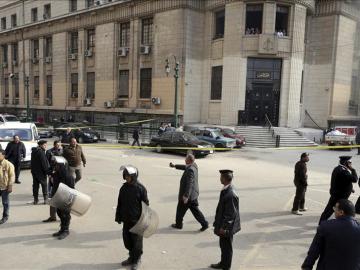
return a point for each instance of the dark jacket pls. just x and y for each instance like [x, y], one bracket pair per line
[337, 243]
[14, 152]
[66, 137]
[189, 185]
[62, 175]
[300, 178]
[129, 202]
[227, 212]
[136, 133]
[53, 152]
[74, 155]
[40, 167]
[357, 138]
[341, 181]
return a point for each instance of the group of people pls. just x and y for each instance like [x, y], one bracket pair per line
[337, 242]
[165, 127]
[227, 218]
[252, 31]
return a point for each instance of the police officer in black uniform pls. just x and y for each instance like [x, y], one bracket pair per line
[227, 220]
[342, 179]
[128, 211]
[61, 175]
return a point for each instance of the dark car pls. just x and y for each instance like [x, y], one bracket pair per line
[229, 133]
[45, 131]
[214, 136]
[82, 132]
[181, 139]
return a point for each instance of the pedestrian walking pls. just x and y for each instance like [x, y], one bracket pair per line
[188, 194]
[227, 220]
[342, 179]
[67, 136]
[128, 211]
[61, 175]
[40, 168]
[15, 152]
[357, 140]
[300, 181]
[55, 151]
[136, 136]
[337, 242]
[7, 178]
[75, 156]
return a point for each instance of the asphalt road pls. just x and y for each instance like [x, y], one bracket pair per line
[271, 238]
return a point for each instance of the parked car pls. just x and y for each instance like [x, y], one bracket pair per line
[82, 132]
[215, 137]
[229, 133]
[27, 133]
[181, 139]
[45, 131]
[4, 118]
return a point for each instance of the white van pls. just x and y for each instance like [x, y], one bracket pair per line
[27, 133]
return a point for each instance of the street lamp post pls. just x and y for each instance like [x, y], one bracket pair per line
[176, 76]
[27, 98]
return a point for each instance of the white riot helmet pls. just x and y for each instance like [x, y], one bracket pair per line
[129, 170]
[58, 160]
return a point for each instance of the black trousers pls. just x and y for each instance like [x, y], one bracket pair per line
[17, 169]
[65, 218]
[136, 141]
[299, 200]
[133, 243]
[194, 208]
[36, 183]
[226, 251]
[328, 211]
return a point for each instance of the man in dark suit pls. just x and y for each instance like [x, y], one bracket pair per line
[337, 241]
[188, 194]
[15, 152]
[342, 179]
[300, 181]
[227, 220]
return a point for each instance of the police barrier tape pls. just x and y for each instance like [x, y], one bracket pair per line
[97, 126]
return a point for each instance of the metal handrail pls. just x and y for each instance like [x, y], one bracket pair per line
[272, 130]
[312, 120]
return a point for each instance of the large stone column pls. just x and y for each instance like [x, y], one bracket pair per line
[42, 77]
[81, 67]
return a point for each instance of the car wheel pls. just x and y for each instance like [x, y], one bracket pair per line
[158, 148]
[80, 140]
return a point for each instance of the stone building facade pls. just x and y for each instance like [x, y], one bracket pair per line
[239, 60]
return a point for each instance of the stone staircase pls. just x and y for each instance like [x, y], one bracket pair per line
[257, 136]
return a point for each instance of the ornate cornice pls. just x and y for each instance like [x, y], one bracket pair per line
[335, 7]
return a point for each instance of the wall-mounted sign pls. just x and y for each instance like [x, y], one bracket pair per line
[263, 75]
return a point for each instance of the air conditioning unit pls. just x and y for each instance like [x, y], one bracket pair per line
[107, 104]
[74, 95]
[15, 63]
[87, 102]
[72, 56]
[145, 49]
[88, 53]
[123, 51]
[48, 59]
[156, 100]
[4, 65]
[34, 60]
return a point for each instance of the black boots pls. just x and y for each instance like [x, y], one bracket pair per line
[3, 220]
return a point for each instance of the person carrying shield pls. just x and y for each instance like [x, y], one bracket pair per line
[128, 211]
[61, 175]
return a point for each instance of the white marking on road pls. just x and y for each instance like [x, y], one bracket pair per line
[315, 201]
[288, 203]
[319, 190]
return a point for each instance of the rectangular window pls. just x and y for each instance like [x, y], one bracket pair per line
[145, 82]
[90, 3]
[90, 85]
[73, 42]
[36, 86]
[74, 85]
[123, 84]
[15, 82]
[282, 21]
[219, 24]
[35, 49]
[4, 49]
[6, 87]
[254, 17]
[47, 11]
[34, 15]
[3, 23]
[15, 52]
[147, 31]
[49, 86]
[13, 20]
[216, 82]
[73, 5]
[124, 34]
[90, 38]
[48, 46]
